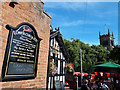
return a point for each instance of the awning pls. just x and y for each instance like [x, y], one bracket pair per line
[108, 64]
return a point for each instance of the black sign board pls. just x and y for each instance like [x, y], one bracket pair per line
[21, 56]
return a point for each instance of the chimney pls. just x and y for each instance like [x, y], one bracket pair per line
[112, 33]
[57, 29]
[108, 32]
[99, 34]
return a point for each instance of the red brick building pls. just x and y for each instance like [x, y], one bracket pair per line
[31, 12]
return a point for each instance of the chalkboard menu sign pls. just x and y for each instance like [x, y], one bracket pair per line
[21, 56]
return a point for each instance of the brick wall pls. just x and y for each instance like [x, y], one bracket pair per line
[31, 12]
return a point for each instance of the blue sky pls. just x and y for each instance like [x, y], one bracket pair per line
[84, 20]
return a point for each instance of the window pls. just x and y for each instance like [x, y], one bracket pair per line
[56, 62]
[61, 67]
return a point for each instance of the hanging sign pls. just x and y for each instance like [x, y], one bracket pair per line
[21, 56]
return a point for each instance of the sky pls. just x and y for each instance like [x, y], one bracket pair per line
[84, 20]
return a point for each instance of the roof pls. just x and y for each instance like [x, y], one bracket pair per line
[108, 64]
[56, 34]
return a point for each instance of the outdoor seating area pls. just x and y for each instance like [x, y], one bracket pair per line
[107, 76]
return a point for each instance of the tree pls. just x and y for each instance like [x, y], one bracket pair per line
[115, 55]
[91, 55]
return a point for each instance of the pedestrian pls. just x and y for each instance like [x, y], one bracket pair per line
[95, 85]
[103, 86]
[85, 86]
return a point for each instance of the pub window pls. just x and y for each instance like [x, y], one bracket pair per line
[112, 43]
[53, 42]
[56, 62]
[61, 67]
[54, 56]
[60, 56]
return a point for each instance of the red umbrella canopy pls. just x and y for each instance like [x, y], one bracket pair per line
[85, 74]
[108, 74]
[78, 73]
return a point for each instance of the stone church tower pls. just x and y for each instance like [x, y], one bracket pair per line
[107, 40]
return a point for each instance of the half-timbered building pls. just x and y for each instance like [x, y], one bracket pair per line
[59, 56]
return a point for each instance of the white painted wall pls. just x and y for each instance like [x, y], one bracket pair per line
[54, 41]
[61, 78]
[49, 83]
[58, 56]
[63, 67]
[58, 66]
[52, 83]
[51, 54]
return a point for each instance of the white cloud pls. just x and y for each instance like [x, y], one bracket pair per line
[72, 23]
[81, 22]
[92, 42]
[66, 5]
[94, 7]
[113, 13]
[81, 0]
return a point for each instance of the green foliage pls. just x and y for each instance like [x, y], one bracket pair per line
[115, 55]
[91, 55]
[69, 67]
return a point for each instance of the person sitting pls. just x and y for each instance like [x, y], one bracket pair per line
[103, 86]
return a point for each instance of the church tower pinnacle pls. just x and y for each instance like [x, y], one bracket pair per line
[107, 40]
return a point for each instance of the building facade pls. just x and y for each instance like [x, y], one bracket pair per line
[107, 40]
[31, 12]
[57, 54]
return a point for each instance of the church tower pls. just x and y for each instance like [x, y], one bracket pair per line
[107, 40]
